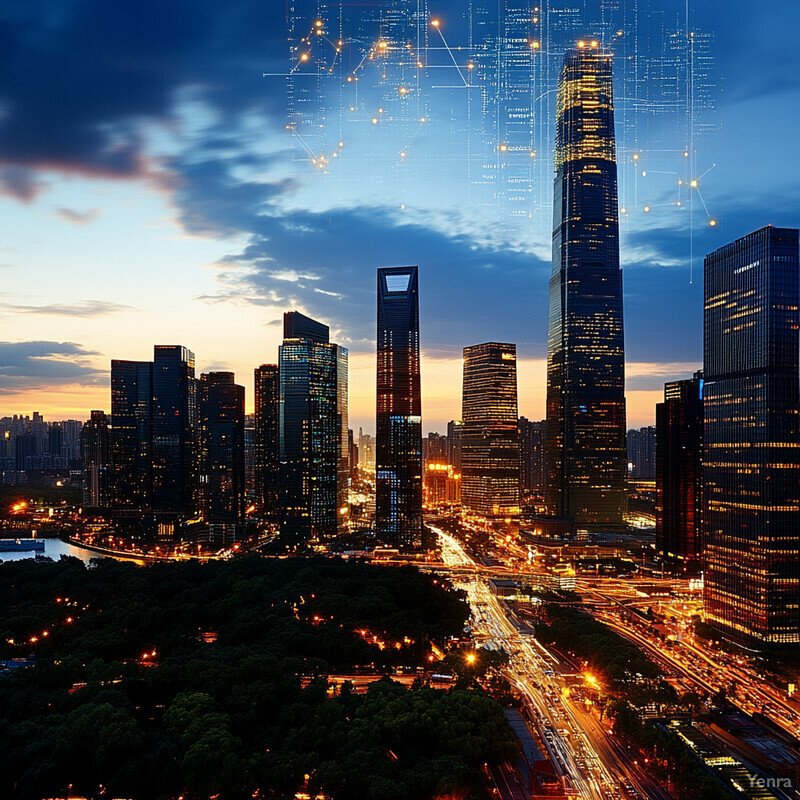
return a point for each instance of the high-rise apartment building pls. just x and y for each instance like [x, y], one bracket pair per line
[398, 440]
[309, 430]
[174, 447]
[95, 455]
[221, 484]
[266, 444]
[490, 436]
[586, 452]
[752, 438]
[679, 471]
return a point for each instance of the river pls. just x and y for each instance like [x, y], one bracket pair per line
[55, 548]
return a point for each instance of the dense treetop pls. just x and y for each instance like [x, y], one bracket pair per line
[208, 679]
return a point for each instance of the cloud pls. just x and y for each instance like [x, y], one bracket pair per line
[41, 364]
[83, 78]
[77, 217]
[80, 308]
[20, 182]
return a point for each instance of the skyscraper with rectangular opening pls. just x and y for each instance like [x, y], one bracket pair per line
[490, 436]
[398, 440]
[586, 452]
[752, 437]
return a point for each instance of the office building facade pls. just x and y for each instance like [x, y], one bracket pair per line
[221, 455]
[586, 453]
[679, 471]
[266, 443]
[309, 431]
[490, 478]
[398, 440]
[95, 455]
[751, 437]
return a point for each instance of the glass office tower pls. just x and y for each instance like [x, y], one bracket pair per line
[174, 450]
[130, 477]
[751, 437]
[490, 455]
[266, 442]
[343, 424]
[679, 471]
[95, 457]
[398, 440]
[586, 452]
[309, 431]
[221, 451]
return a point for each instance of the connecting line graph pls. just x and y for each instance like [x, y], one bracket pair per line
[477, 87]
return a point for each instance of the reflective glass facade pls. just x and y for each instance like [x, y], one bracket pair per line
[95, 456]
[130, 479]
[266, 441]
[490, 454]
[343, 422]
[309, 432]
[751, 437]
[398, 440]
[586, 452]
[679, 471]
[221, 415]
[174, 460]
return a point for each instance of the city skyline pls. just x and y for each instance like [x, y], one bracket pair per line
[153, 248]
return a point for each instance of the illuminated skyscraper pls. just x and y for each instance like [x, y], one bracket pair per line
[94, 452]
[174, 449]
[131, 476]
[490, 436]
[752, 437]
[586, 454]
[221, 454]
[266, 445]
[309, 429]
[398, 440]
[343, 434]
[679, 471]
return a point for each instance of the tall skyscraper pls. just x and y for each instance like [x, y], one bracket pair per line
[221, 454]
[131, 477]
[586, 455]
[679, 471]
[531, 448]
[95, 455]
[398, 440]
[267, 454]
[310, 431]
[490, 436]
[174, 450]
[751, 437]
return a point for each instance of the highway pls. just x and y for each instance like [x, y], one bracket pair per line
[591, 764]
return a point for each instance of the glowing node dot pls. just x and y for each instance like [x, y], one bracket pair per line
[680, 183]
[470, 65]
[693, 184]
[435, 23]
[341, 144]
[712, 222]
[503, 148]
[422, 119]
[644, 173]
[646, 209]
[678, 203]
[581, 43]
[635, 156]
[304, 57]
[535, 45]
[318, 23]
[374, 120]
[594, 44]
[623, 211]
[685, 154]
[402, 154]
